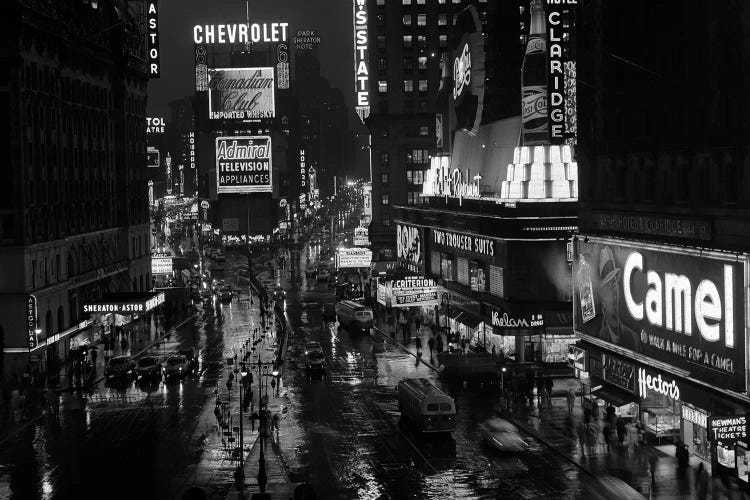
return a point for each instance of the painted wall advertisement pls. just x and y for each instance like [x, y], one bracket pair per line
[241, 93]
[243, 164]
[409, 248]
[668, 303]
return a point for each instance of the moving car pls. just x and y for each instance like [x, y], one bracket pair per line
[310, 270]
[502, 435]
[176, 366]
[148, 369]
[226, 296]
[315, 363]
[191, 357]
[313, 347]
[329, 312]
[119, 367]
[425, 406]
[323, 274]
[354, 316]
[279, 294]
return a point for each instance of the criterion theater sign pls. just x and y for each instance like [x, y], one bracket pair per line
[677, 305]
[243, 164]
[240, 33]
[130, 303]
[414, 291]
[241, 93]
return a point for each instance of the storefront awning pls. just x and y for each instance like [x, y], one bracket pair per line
[125, 303]
[467, 318]
[613, 395]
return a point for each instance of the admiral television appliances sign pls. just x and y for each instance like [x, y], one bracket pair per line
[241, 93]
[682, 307]
[243, 164]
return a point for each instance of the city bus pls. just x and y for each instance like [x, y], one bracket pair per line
[354, 316]
[425, 406]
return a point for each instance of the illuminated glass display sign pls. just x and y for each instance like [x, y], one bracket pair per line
[161, 264]
[466, 242]
[561, 83]
[243, 164]
[155, 125]
[440, 180]
[191, 147]
[240, 33]
[409, 247]
[241, 93]
[282, 67]
[673, 304]
[32, 320]
[201, 69]
[125, 306]
[152, 45]
[353, 257]
[361, 59]
[302, 169]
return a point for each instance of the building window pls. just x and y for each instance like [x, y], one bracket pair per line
[421, 42]
[382, 86]
[446, 267]
[477, 277]
[422, 63]
[423, 85]
[497, 281]
[380, 20]
[409, 64]
[441, 2]
[443, 41]
[405, 2]
[408, 85]
[421, 19]
[385, 199]
[421, 2]
[417, 156]
[407, 41]
[382, 64]
[415, 176]
[383, 106]
[383, 132]
[380, 2]
[414, 198]
[406, 19]
[424, 130]
[385, 159]
[385, 178]
[442, 19]
[386, 218]
[381, 42]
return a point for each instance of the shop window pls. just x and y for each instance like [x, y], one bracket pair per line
[477, 277]
[497, 281]
[446, 267]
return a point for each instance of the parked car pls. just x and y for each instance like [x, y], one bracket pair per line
[226, 296]
[323, 274]
[176, 366]
[502, 435]
[310, 270]
[329, 312]
[119, 367]
[148, 369]
[313, 347]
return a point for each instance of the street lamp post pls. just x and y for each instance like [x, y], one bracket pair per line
[240, 474]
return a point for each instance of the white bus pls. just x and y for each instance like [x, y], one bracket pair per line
[425, 406]
[354, 316]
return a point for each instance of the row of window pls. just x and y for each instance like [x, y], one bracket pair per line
[408, 86]
[409, 106]
[381, 3]
[407, 41]
[415, 156]
[476, 275]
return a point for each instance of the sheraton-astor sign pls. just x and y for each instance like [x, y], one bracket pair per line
[673, 304]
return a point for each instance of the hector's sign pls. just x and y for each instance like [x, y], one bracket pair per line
[669, 303]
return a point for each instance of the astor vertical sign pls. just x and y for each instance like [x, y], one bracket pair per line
[361, 59]
[152, 16]
[31, 321]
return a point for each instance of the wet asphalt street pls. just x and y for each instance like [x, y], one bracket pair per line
[341, 433]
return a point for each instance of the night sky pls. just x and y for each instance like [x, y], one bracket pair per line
[331, 18]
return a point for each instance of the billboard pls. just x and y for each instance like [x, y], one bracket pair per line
[414, 291]
[241, 93]
[681, 306]
[361, 236]
[409, 248]
[161, 264]
[240, 33]
[155, 125]
[353, 257]
[243, 164]
[153, 157]
[361, 59]
[468, 70]
[561, 83]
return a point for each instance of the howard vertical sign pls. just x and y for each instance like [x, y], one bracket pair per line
[561, 70]
[152, 17]
[361, 59]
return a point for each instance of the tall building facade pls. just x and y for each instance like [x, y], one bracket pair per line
[74, 214]
[661, 262]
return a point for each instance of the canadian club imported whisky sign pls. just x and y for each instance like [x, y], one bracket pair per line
[243, 164]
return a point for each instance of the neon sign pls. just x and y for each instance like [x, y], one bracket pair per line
[361, 59]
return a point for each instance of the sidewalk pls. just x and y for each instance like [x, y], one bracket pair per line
[555, 428]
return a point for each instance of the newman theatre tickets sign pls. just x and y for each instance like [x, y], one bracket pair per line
[671, 304]
[243, 164]
[241, 93]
